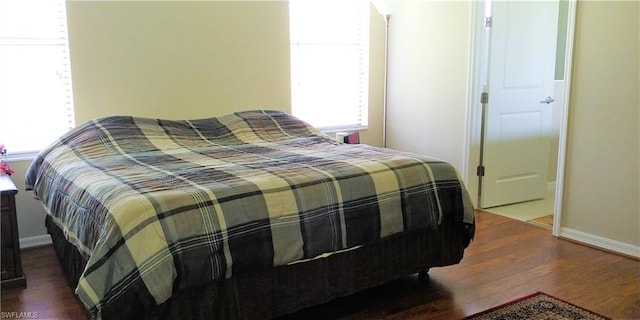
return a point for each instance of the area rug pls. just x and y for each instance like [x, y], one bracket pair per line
[544, 221]
[537, 306]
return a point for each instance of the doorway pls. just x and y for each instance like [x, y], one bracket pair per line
[551, 199]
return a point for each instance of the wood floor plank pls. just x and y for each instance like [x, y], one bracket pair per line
[508, 259]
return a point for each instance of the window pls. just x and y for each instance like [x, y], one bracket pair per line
[36, 103]
[330, 62]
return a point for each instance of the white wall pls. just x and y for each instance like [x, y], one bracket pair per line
[429, 83]
[183, 60]
[178, 59]
[602, 172]
[173, 60]
[429, 44]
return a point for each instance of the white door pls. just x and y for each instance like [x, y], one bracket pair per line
[518, 116]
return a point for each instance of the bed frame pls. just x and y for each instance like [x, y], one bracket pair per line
[286, 289]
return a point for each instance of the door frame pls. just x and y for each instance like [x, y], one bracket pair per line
[474, 114]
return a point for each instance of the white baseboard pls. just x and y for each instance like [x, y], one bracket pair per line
[600, 242]
[29, 242]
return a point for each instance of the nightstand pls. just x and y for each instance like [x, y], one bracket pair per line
[11, 265]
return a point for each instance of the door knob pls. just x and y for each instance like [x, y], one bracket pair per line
[547, 100]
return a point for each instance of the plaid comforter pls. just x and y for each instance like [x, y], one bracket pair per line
[159, 204]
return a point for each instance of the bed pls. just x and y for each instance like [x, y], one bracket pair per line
[251, 215]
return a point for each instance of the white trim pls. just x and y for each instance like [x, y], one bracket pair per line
[564, 120]
[332, 131]
[23, 156]
[473, 114]
[601, 242]
[36, 241]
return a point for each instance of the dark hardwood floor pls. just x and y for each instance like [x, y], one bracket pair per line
[508, 259]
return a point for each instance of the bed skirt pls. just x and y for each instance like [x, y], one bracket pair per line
[283, 290]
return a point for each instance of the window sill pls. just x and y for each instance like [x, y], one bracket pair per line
[333, 131]
[23, 156]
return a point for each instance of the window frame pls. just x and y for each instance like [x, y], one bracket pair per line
[325, 21]
[20, 35]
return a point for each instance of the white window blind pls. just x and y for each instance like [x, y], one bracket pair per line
[36, 101]
[330, 62]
